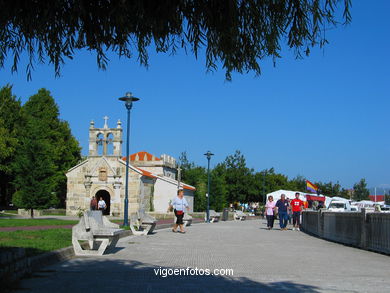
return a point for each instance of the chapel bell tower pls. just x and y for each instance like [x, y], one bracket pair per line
[105, 141]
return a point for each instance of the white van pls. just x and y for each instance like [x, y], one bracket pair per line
[339, 206]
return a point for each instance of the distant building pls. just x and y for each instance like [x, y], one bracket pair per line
[152, 180]
[377, 198]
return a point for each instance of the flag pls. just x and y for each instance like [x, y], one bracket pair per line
[310, 186]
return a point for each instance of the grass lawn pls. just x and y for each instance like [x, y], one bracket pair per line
[120, 223]
[54, 212]
[6, 215]
[37, 242]
[198, 216]
[34, 222]
[11, 212]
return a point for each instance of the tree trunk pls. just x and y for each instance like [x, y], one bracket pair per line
[32, 213]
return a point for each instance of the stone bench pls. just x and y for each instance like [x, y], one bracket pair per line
[142, 223]
[239, 216]
[187, 219]
[98, 231]
[213, 215]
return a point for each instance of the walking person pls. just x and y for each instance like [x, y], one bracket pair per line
[289, 211]
[179, 203]
[296, 205]
[282, 205]
[93, 204]
[270, 212]
[102, 205]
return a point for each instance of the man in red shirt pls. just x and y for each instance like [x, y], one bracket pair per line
[296, 206]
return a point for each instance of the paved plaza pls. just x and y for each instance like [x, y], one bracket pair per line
[261, 260]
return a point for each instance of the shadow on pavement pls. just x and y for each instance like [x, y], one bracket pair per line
[108, 275]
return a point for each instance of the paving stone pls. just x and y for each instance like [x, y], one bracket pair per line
[262, 261]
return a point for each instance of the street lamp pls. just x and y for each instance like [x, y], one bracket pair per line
[128, 99]
[208, 156]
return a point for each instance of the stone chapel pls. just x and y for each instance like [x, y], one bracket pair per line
[152, 180]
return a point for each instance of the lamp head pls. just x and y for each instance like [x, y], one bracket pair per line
[208, 155]
[129, 99]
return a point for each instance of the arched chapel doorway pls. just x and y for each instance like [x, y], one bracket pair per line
[106, 197]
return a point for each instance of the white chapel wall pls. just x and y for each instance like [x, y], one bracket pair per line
[163, 193]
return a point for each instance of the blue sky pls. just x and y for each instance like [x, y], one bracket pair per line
[325, 117]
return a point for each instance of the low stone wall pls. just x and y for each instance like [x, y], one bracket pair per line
[49, 212]
[27, 213]
[377, 232]
[369, 231]
[38, 213]
[13, 264]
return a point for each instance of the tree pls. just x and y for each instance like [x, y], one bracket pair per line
[34, 171]
[330, 188]
[271, 181]
[238, 178]
[297, 184]
[56, 147]
[346, 193]
[387, 198]
[68, 154]
[10, 120]
[236, 33]
[197, 177]
[65, 151]
[275, 181]
[185, 166]
[218, 188]
[360, 191]
[8, 145]
[260, 182]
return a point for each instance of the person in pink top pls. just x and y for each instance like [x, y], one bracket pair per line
[269, 212]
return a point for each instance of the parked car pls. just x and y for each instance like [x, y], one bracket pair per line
[354, 209]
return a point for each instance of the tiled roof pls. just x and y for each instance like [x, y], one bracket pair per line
[146, 173]
[185, 186]
[143, 156]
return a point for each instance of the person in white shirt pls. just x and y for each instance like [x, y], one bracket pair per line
[179, 203]
[102, 205]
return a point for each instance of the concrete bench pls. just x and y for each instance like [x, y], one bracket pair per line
[239, 216]
[213, 215]
[187, 219]
[142, 223]
[98, 231]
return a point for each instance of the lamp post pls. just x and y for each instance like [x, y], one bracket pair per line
[128, 99]
[208, 156]
[178, 176]
[264, 178]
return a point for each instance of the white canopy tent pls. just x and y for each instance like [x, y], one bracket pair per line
[368, 203]
[289, 194]
[302, 195]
